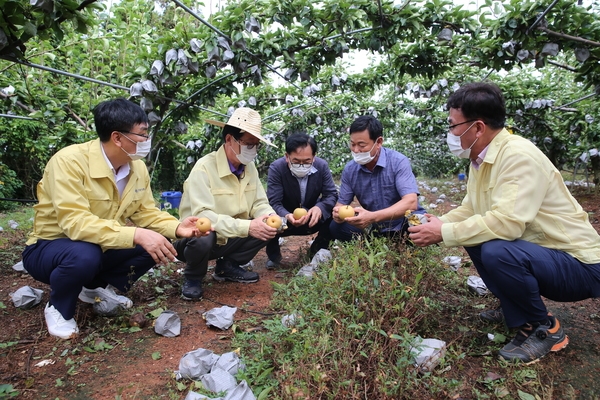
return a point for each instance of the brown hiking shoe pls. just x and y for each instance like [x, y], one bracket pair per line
[495, 315]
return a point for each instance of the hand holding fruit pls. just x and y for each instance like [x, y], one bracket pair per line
[299, 217]
[340, 213]
[203, 224]
[261, 230]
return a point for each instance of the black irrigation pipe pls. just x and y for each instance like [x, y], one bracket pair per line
[575, 101]
[17, 117]
[56, 71]
[76, 76]
[537, 21]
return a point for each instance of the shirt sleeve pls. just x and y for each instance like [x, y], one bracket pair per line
[346, 192]
[405, 179]
[275, 190]
[515, 194]
[329, 194]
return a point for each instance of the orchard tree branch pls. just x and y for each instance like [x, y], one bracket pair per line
[78, 118]
[18, 103]
[569, 37]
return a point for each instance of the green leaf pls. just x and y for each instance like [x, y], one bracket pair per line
[156, 313]
[156, 355]
[525, 396]
[263, 395]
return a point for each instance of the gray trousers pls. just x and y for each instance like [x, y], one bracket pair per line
[196, 252]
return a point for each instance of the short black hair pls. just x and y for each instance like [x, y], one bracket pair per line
[370, 123]
[233, 131]
[119, 115]
[480, 100]
[299, 140]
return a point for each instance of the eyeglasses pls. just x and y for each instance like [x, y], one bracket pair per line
[304, 165]
[249, 146]
[460, 123]
[146, 137]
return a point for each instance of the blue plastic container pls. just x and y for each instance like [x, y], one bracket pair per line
[461, 177]
[173, 198]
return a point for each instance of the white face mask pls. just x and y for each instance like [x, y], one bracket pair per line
[298, 171]
[364, 157]
[141, 149]
[246, 156]
[455, 146]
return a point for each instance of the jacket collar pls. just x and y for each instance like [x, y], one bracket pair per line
[495, 145]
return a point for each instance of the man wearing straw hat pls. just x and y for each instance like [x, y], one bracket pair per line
[224, 187]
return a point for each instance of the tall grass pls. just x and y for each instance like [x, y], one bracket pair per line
[353, 327]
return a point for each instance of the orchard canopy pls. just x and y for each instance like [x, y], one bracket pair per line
[304, 65]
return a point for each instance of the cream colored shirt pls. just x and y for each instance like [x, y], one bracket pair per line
[517, 193]
[213, 191]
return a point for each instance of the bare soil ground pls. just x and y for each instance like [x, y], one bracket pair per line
[106, 360]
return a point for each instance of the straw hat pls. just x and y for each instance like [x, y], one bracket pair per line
[245, 119]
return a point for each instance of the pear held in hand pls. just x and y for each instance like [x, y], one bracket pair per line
[346, 212]
[274, 221]
[203, 224]
[299, 212]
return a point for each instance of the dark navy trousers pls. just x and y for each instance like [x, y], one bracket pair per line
[321, 241]
[520, 272]
[68, 265]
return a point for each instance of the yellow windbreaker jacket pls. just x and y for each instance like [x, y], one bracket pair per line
[78, 199]
[517, 193]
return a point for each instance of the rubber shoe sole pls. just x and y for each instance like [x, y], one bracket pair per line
[540, 342]
[191, 290]
[223, 278]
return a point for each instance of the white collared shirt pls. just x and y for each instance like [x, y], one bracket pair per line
[121, 176]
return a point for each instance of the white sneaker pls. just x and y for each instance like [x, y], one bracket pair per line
[57, 325]
[90, 296]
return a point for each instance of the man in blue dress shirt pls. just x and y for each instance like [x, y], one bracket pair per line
[382, 181]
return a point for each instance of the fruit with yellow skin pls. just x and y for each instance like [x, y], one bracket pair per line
[299, 212]
[274, 221]
[203, 224]
[346, 212]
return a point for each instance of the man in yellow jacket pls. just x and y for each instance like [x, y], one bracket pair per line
[224, 187]
[525, 233]
[81, 244]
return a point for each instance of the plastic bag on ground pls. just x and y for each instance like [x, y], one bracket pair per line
[19, 267]
[26, 297]
[453, 262]
[322, 256]
[108, 307]
[241, 392]
[197, 396]
[427, 353]
[477, 285]
[218, 380]
[196, 363]
[229, 362]
[220, 317]
[168, 324]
